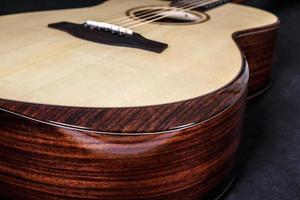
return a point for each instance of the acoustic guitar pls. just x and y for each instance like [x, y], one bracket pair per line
[129, 99]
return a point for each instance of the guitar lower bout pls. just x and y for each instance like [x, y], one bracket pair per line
[80, 119]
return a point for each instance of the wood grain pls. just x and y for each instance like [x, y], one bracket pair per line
[137, 119]
[46, 66]
[258, 46]
[181, 150]
[40, 161]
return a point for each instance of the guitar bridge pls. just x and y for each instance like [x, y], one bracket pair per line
[125, 38]
[108, 27]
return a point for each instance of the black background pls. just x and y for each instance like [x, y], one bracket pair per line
[270, 163]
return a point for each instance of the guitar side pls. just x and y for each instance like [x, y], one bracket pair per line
[43, 160]
[258, 45]
[81, 164]
[182, 150]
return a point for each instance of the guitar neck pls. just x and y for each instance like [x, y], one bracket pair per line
[213, 4]
[203, 4]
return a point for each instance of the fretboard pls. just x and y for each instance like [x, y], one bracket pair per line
[203, 4]
[213, 4]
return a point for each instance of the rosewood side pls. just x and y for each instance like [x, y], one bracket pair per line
[258, 45]
[40, 161]
[185, 150]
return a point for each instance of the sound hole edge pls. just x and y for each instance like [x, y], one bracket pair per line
[143, 14]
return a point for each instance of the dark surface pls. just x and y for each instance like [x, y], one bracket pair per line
[258, 47]
[16, 6]
[270, 167]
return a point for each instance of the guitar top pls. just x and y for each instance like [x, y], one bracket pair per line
[130, 99]
[122, 55]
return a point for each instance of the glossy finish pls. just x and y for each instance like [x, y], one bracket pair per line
[44, 160]
[258, 46]
[40, 161]
[137, 119]
[183, 150]
[74, 72]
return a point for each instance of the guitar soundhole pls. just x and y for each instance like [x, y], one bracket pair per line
[166, 15]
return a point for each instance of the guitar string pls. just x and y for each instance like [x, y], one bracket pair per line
[159, 14]
[174, 6]
[149, 12]
[187, 7]
[162, 17]
[150, 15]
[156, 10]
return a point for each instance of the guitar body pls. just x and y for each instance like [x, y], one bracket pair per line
[82, 120]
